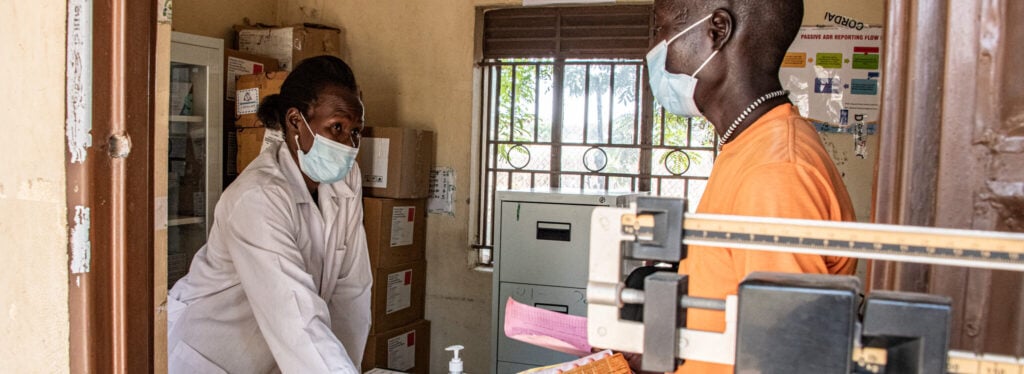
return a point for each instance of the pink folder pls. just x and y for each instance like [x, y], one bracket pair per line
[552, 330]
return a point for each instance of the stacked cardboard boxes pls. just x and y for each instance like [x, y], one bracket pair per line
[285, 47]
[289, 44]
[237, 63]
[396, 163]
[249, 94]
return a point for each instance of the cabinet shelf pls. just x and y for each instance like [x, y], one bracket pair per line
[184, 220]
[190, 119]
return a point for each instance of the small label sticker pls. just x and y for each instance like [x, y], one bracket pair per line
[373, 154]
[248, 101]
[795, 60]
[402, 225]
[399, 293]
[402, 351]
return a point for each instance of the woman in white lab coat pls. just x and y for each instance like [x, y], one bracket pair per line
[283, 283]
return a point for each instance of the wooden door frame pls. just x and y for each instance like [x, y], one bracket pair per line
[111, 302]
[941, 131]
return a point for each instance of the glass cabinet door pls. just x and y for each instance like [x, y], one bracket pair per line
[194, 150]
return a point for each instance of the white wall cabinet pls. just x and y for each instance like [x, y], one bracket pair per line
[195, 136]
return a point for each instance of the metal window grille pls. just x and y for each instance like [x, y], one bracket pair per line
[579, 118]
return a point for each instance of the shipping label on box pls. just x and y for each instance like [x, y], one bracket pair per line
[402, 351]
[399, 291]
[375, 165]
[236, 67]
[402, 225]
[251, 90]
[248, 101]
[404, 348]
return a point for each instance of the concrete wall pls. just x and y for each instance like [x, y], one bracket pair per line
[33, 225]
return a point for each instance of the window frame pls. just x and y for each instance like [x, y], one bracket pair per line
[647, 115]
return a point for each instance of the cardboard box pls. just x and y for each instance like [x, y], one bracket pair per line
[398, 295]
[396, 162]
[406, 349]
[396, 230]
[250, 91]
[237, 63]
[252, 141]
[290, 44]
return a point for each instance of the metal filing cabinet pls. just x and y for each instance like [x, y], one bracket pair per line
[542, 247]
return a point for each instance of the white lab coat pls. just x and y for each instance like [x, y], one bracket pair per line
[280, 286]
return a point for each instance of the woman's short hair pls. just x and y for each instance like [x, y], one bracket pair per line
[302, 87]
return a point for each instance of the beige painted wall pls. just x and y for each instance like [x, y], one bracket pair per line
[33, 231]
[215, 18]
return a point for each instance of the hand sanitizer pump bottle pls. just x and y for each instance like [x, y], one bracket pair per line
[455, 365]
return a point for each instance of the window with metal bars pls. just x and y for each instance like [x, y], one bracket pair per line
[579, 115]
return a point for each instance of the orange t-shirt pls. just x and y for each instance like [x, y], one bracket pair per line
[776, 168]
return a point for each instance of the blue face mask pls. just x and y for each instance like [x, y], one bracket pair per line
[674, 91]
[327, 161]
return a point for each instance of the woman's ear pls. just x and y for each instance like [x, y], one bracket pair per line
[292, 119]
[720, 28]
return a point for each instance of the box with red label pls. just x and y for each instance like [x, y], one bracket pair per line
[395, 230]
[398, 295]
[238, 63]
[405, 349]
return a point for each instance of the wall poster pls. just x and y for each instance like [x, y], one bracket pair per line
[834, 78]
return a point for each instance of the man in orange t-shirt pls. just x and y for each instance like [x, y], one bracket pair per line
[771, 163]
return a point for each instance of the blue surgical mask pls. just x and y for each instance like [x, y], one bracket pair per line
[674, 91]
[327, 161]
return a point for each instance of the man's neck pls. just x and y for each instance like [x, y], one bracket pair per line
[730, 99]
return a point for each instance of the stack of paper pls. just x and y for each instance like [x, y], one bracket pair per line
[561, 332]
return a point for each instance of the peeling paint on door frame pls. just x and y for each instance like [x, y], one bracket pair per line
[79, 78]
[81, 247]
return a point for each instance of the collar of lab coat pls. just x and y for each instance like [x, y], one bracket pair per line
[345, 188]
